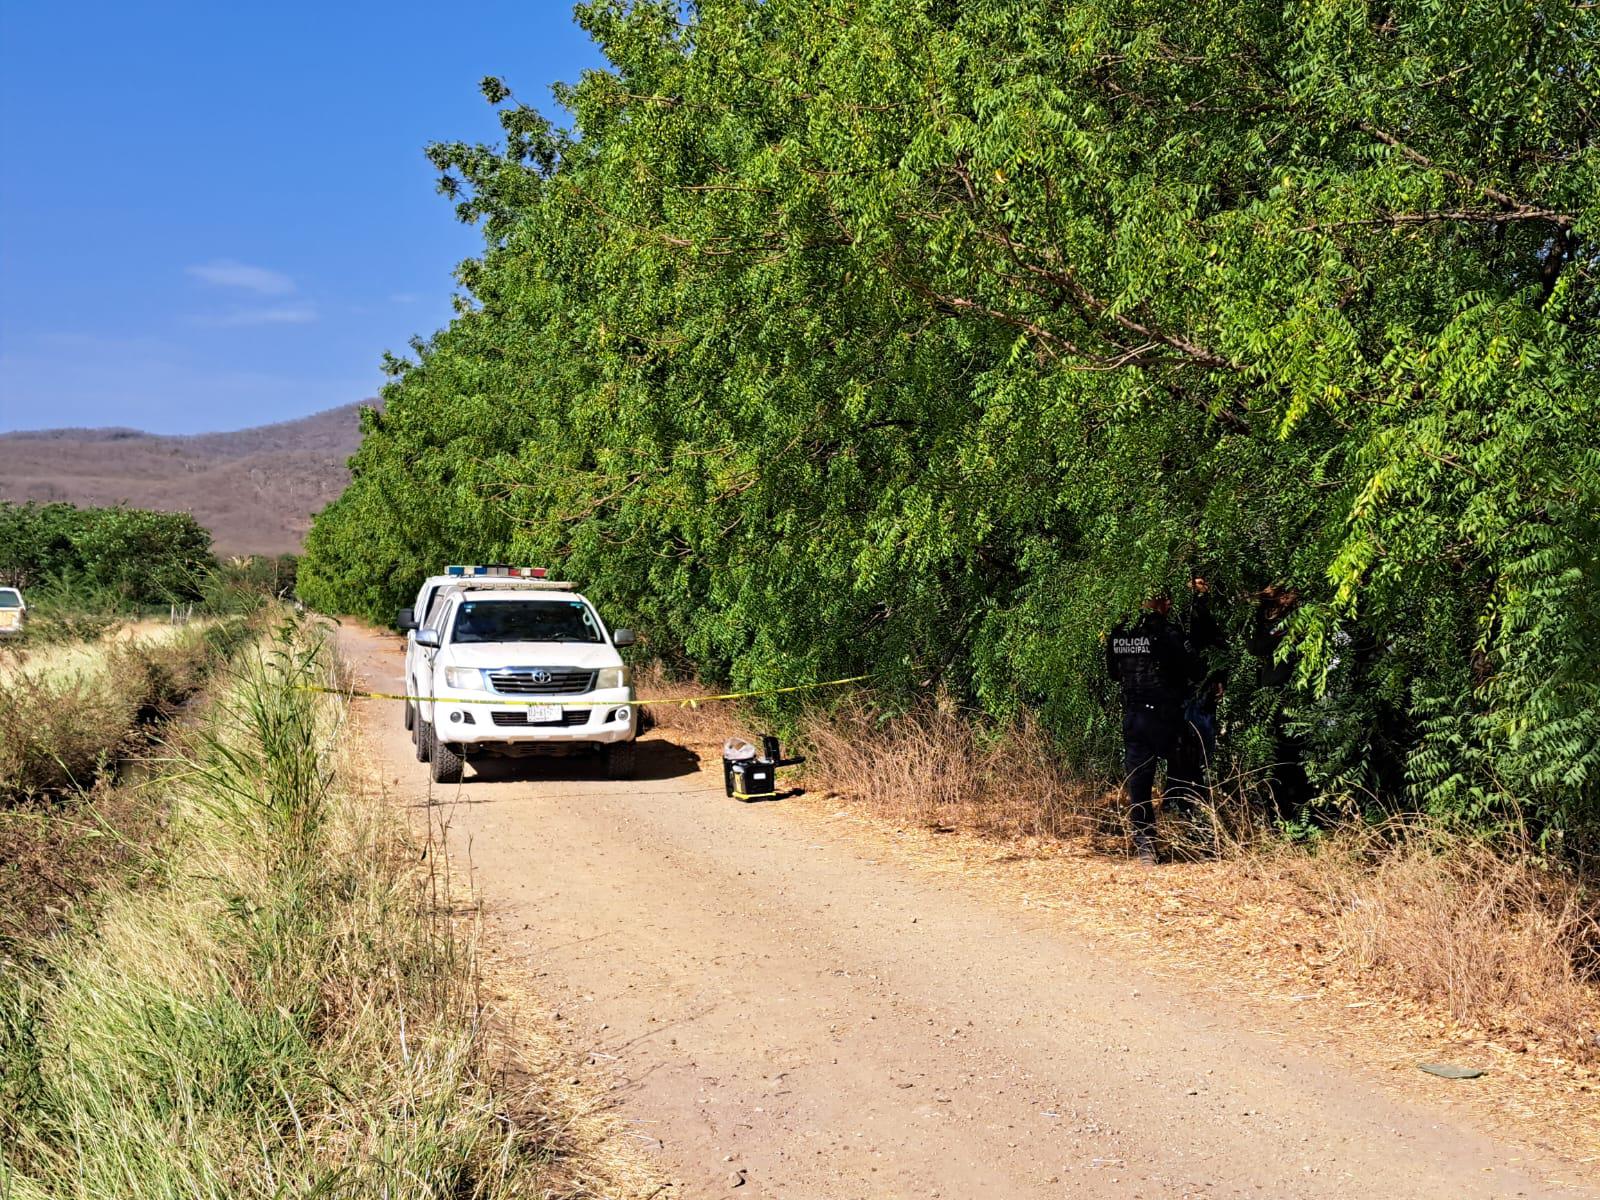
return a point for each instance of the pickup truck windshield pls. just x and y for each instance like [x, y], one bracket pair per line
[524, 621]
[10, 598]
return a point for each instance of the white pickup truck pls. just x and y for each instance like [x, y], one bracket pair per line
[13, 612]
[502, 665]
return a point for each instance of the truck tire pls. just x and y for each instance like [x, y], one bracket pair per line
[422, 736]
[620, 760]
[411, 720]
[444, 760]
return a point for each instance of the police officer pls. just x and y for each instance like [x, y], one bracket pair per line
[1150, 663]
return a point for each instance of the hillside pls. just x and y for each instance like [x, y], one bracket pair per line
[255, 489]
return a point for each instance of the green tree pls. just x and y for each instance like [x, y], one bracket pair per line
[927, 338]
[133, 555]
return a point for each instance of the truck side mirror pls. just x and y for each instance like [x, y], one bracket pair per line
[427, 637]
[623, 637]
[406, 618]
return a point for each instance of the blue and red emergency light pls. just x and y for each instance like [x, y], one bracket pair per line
[498, 571]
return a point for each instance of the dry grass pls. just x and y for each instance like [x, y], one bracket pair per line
[1489, 936]
[694, 724]
[64, 720]
[932, 767]
[60, 662]
[57, 857]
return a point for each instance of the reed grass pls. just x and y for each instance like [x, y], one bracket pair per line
[287, 1013]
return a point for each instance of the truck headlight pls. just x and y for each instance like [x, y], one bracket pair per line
[611, 677]
[464, 679]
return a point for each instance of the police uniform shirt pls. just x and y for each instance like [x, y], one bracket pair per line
[1149, 661]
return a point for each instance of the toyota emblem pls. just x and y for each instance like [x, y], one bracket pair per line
[539, 675]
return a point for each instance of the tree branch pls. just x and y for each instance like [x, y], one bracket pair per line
[1495, 217]
[1523, 211]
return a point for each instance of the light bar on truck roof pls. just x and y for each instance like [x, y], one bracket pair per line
[497, 571]
[511, 583]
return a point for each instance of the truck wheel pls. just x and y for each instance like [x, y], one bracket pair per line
[445, 760]
[411, 720]
[422, 736]
[619, 760]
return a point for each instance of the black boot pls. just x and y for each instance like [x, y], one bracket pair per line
[1144, 845]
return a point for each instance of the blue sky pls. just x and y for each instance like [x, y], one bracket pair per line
[216, 215]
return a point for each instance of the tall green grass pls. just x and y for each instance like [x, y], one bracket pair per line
[288, 1014]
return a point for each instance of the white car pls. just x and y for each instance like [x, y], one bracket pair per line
[506, 666]
[13, 611]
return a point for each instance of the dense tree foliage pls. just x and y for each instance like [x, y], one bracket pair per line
[118, 555]
[927, 337]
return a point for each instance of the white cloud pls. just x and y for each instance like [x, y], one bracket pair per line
[403, 298]
[225, 272]
[277, 314]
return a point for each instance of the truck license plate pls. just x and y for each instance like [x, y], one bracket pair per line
[543, 714]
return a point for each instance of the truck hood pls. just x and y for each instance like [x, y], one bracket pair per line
[585, 656]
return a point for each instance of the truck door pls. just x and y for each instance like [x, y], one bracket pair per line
[419, 609]
[422, 670]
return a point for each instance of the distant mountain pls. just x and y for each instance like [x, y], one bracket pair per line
[255, 489]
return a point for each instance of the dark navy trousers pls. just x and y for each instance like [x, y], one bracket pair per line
[1150, 733]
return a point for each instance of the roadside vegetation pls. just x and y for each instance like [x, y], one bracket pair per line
[127, 615]
[928, 340]
[282, 1002]
[72, 712]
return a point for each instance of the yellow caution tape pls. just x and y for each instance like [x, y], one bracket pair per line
[560, 701]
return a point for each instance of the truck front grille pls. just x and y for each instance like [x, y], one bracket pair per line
[520, 681]
[569, 717]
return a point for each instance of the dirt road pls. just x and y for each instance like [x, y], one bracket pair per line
[780, 1014]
